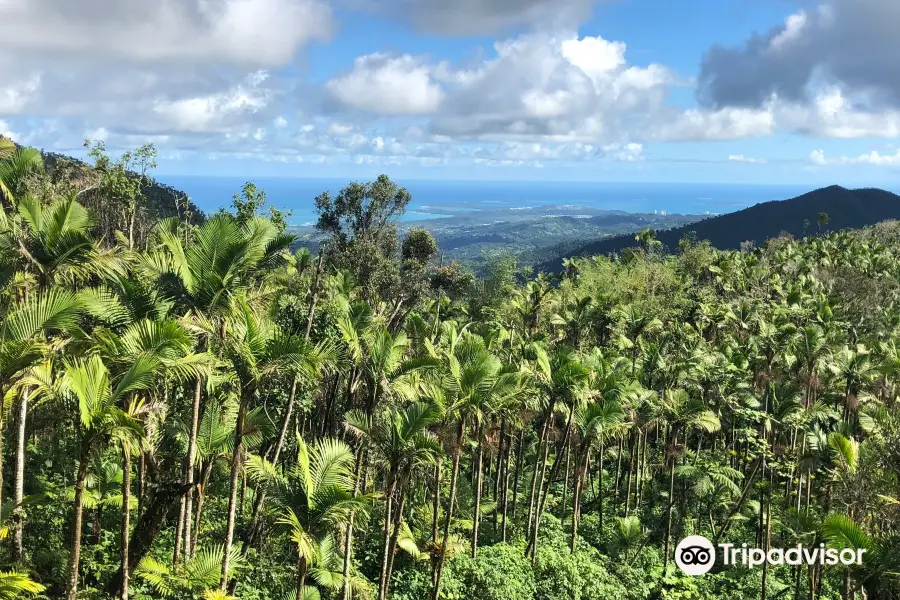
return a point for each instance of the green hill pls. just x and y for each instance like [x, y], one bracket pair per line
[797, 216]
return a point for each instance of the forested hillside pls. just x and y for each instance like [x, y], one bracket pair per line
[199, 413]
[826, 209]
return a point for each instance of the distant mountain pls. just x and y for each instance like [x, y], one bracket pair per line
[845, 209]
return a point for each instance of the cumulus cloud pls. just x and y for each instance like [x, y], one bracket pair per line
[554, 87]
[166, 68]
[481, 17]
[848, 44]
[390, 85]
[817, 157]
[258, 33]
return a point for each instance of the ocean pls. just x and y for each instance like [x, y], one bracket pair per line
[466, 196]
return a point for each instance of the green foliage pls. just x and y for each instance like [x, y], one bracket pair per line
[258, 424]
[499, 573]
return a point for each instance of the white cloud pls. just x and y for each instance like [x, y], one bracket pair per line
[338, 128]
[746, 159]
[215, 112]
[255, 33]
[551, 87]
[848, 44]
[723, 124]
[6, 131]
[480, 17]
[16, 95]
[817, 157]
[280, 122]
[390, 85]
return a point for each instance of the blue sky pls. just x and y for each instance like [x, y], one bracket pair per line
[773, 91]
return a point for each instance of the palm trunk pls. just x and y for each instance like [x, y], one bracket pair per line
[302, 568]
[542, 451]
[565, 490]
[2, 429]
[348, 540]
[388, 519]
[515, 487]
[578, 484]
[20, 477]
[538, 483]
[454, 476]
[671, 505]
[179, 533]
[600, 486]
[312, 301]
[206, 471]
[479, 481]
[255, 528]
[77, 523]
[189, 468]
[395, 534]
[126, 518]
[436, 503]
[236, 459]
[554, 470]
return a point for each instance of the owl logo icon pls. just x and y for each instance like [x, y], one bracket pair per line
[695, 555]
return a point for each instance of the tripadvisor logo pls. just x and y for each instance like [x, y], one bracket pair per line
[696, 555]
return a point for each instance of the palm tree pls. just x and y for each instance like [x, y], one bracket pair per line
[680, 413]
[401, 440]
[24, 340]
[15, 165]
[257, 349]
[472, 378]
[206, 276]
[567, 382]
[97, 400]
[198, 575]
[315, 497]
[597, 423]
[14, 585]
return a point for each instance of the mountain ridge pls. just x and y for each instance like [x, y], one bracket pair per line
[798, 216]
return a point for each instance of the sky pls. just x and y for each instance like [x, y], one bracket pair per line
[732, 91]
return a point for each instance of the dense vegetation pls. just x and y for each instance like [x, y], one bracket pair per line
[199, 413]
[832, 208]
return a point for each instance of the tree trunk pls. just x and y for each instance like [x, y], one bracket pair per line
[348, 540]
[302, 567]
[2, 429]
[179, 532]
[142, 485]
[75, 557]
[312, 301]
[671, 506]
[479, 482]
[388, 520]
[255, 528]
[600, 486]
[395, 534]
[578, 484]
[19, 488]
[436, 502]
[206, 471]
[554, 471]
[189, 469]
[565, 490]
[126, 518]
[236, 460]
[538, 482]
[159, 506]
[454, 475]
[515, 487]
